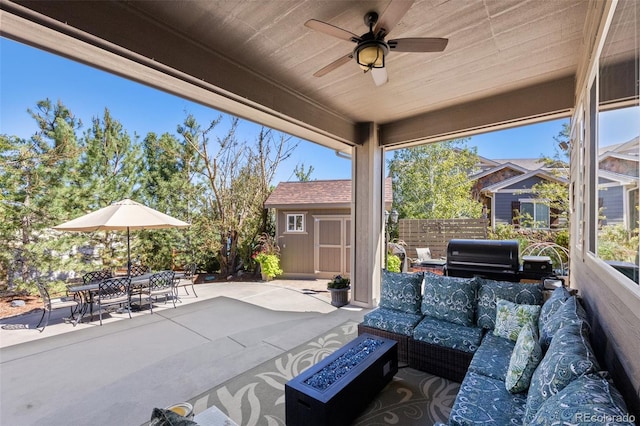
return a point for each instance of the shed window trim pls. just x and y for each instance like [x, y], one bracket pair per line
[295, 223]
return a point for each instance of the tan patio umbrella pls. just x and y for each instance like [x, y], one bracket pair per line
[123, 215]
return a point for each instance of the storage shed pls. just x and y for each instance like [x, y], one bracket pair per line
[313, 226]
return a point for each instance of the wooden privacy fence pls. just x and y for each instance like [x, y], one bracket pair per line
[436, 233]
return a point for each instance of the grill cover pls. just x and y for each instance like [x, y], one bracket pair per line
[494, 259]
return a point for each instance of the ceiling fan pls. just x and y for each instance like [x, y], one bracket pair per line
[371, 47]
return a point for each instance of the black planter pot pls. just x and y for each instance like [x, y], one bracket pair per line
[339, 296]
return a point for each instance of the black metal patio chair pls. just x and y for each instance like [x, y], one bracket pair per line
[188, 279]
[57, 303]
[88, 278]
[113, 291]
[94, 276]
[137, 270]
[160, 284]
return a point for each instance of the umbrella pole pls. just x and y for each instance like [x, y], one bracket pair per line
[128, 254]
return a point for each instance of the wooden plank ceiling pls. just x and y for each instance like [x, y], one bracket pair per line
[260, 52]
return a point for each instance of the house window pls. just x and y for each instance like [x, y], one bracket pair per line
[295, 222]
[534, 214]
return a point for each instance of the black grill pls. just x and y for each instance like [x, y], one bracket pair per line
[493, 259]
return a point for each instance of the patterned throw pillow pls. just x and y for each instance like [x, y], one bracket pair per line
[489, 291]
[569, 356]
[511, 317]
[551, 306]
[570, 312]
[524, 359]
[401, 292]
[588, 400]
[450, 299]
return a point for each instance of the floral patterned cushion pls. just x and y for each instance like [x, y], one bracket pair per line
[570, 312]
[588, 400]
[511, 317]
[490, 291]
[449, 298]
[402, 292]
[524, 359]
[448, 334]
[483, 400]
[551, 305]
[392, 321]
[492, 357]
[569, 356]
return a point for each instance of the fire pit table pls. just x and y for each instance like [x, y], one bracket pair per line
[337, 389]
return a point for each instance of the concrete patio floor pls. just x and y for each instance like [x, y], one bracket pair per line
[117, 373]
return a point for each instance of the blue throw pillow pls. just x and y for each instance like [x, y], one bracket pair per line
[569, 356]
[588, 400]
[490, 291]
[401, 291]
[570, 312]
[449, 299]
[551, 305]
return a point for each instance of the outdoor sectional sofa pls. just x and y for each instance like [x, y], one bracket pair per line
[519, 360]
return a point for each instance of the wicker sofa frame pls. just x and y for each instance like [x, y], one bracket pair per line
[403, 341]
[438, 360]
[444, 362]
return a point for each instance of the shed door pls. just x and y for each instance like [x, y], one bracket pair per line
[332, 245]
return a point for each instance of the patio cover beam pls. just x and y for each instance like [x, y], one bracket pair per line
[545, 101]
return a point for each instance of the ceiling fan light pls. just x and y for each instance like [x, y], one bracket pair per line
[371, 55]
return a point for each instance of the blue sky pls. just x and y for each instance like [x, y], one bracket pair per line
[28, 75]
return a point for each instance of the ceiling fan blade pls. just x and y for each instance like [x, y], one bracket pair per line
[333, 65]
[418, 44]
[331, 30]
[392, 15]
[379, 76]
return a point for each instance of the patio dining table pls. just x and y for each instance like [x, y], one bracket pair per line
[86, 291]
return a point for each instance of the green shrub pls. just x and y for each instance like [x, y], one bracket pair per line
[339, 282]
[562, 238]
[269, 264]
[393, 263]
[616, 243]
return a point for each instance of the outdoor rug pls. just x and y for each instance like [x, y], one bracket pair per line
[257, 396]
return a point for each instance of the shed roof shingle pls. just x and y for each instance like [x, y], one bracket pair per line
[328, 193]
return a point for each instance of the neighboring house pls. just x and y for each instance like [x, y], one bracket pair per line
[504, 188]
[313, 226]
[618, 179]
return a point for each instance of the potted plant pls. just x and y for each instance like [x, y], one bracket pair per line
[393, 263]
[269, 265]
[268, 257]
[339, 287]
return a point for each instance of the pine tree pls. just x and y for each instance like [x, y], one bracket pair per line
[109, 171]
[169, 185]
[35, 176]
